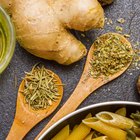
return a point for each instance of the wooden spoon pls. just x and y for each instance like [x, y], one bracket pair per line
[85, 87]
[26, 118]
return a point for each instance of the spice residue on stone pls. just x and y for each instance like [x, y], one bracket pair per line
[40, 90]
[111, 54]
[121, 20]
[119, 29]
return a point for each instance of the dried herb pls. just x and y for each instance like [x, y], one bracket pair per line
[118, 28]
[111, 54]
[121, 20]
[136, 59]
[136, 118]
[130, 135]
[40, 90]
[127, 35]
[108, 21]
[15, 81]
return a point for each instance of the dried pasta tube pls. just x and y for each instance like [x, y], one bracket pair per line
[101, 138]
[89, 137]
[121, 111]
[80, 132]
[75, 127]
[63, 134]
[110, 131]
[115, 120]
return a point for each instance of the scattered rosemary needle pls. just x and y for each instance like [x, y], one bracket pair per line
[118, 28]
[15, 81]
[40, 90]
[83, 35]
[121, 20]
[127, 35]
[111, 54]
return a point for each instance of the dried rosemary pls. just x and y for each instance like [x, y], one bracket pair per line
[136, 118]
[111, 54]
[40, 89]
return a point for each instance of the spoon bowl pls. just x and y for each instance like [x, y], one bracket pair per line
[25, 117]
[86, 85]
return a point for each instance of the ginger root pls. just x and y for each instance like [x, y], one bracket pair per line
[42, 26]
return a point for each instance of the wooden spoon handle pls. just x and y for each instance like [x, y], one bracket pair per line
[72, 103]
[76, 98]
[18, 130]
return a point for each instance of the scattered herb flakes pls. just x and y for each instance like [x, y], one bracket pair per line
[15, 81]
[136, 60]
[127, 35]
[121, 20]
[130, 134]
[130, 73]
[111, 54]
[118, 28]
[40, 89]
[108, 21]
[95, 93]
[136, 118]
[83, 35]
[136, 44]
[108, 89]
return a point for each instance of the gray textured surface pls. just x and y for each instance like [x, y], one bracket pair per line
[123, 88]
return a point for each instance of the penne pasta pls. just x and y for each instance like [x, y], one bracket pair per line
[80, 132]
[121, 111]
[75, 127]
[112, 132]
[106, 126]
[63, 134]
[101, 138]
[89, 137]
[115, 120]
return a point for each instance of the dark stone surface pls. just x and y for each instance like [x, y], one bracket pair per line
[123, 88]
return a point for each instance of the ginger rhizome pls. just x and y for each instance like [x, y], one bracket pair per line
[42, 26]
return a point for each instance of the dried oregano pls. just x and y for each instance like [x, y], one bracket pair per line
[111, 54]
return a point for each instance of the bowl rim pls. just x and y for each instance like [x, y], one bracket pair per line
[10, 53]
[86, 108]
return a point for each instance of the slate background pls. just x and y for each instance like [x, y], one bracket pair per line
[123, 88]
